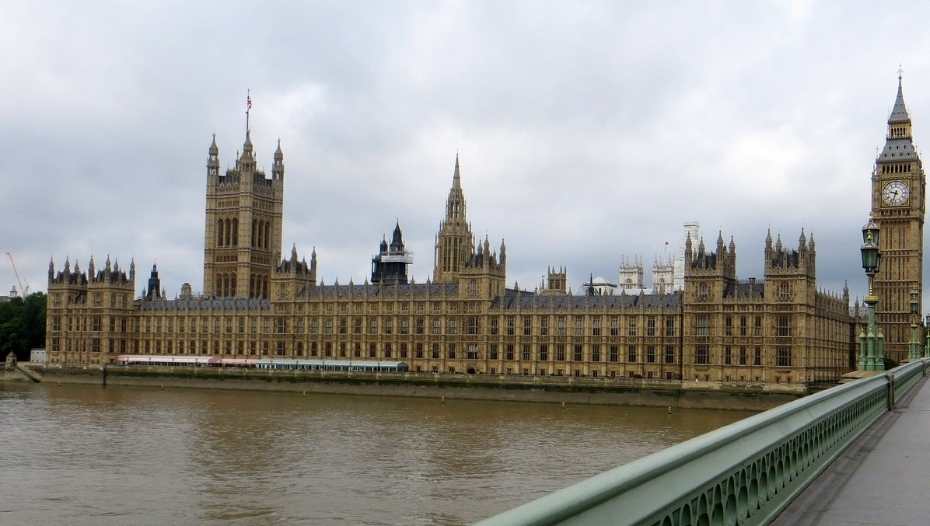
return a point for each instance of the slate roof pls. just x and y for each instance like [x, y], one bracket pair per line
[745, 289]
[408, 290]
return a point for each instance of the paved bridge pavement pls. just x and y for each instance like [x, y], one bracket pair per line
[883, 477]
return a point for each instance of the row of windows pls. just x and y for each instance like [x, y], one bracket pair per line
[741, 356]
[472, 325]
[702, 326]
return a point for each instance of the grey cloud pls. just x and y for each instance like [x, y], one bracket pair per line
[587, 132]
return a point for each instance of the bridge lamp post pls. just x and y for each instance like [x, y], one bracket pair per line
[927, 337]
[872, 342]
[913, 353]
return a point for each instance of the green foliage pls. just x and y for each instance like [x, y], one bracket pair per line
[22, 325]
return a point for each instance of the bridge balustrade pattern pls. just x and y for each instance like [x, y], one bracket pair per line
[741, 474]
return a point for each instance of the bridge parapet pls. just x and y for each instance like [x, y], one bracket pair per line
[743, 473]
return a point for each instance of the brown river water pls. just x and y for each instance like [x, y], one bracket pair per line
[74, 454]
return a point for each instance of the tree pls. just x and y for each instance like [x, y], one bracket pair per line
[22, 325]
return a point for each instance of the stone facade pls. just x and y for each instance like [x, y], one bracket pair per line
[898, 207]
[465, 320]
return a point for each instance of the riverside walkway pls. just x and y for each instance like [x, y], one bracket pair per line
[882, 478]
[854, 454]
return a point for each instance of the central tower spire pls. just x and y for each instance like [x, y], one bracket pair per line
[454, 243]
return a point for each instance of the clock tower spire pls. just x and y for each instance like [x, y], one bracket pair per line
[898, 188]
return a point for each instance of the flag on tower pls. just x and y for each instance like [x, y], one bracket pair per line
[248, 102]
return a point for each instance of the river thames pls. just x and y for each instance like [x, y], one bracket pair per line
[92, 455]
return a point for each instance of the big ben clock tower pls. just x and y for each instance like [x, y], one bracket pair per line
[898, 207]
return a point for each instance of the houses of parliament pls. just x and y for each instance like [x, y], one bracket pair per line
[258, 301]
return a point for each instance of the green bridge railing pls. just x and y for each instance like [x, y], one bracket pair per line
[743, 473]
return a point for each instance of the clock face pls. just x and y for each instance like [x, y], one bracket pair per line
[895, 193]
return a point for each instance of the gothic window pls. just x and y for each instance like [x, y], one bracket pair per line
[235, 232]
[702, 354]
[404, 326]
[702, 326]
[783, 326]
[742, 356]
[728, 355]
[525, 353]
[544, 326]
[783, 356]
[651, 354]
[510, 325]
[451, 351]
[670, 326]
[493, 329]
[387, 325]
[784, 291]
[472, 327]
[492, 351]
[560, 352]
[578, 355]
[219, 232]
[669, 354]
[650, 326]
[543, 352]
[419, 350]
[579, 326]
[471, 352]
[560, 326]
[434, 352]
[615, 326]
[437, 326]
[267, 234]
[631, 326]
[631, 353]
[527, 326]
[596, 353]
[509, 351]
[703, 292]
[614, 353]
[451, 327]
[596, 326]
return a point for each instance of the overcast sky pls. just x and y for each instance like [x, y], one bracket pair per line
[586, 132]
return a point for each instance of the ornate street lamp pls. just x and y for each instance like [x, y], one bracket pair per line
[927, 337]
[913, 353]
[872, 342]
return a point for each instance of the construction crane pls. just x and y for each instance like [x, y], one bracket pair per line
[23, 287]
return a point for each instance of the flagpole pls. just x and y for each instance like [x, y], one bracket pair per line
[248, 106]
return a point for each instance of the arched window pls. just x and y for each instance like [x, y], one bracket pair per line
[218, 285]
[232, 285]
[267, 234]
[254, 228]
[219, 232]
[261, 230]
[235, 236]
